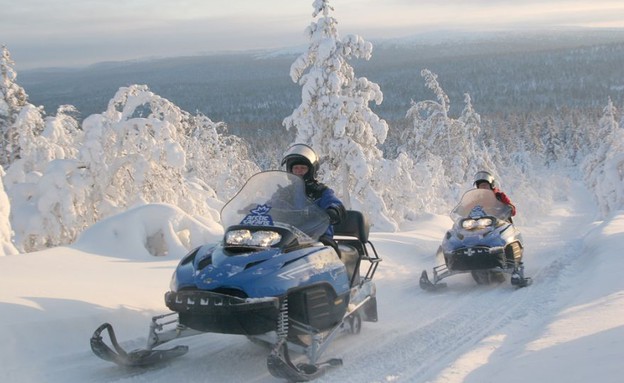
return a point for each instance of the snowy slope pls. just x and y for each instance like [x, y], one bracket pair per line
[568, 326]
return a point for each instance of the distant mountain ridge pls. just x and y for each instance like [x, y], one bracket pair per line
[504, 72]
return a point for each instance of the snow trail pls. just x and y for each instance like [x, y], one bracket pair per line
[428, 335]
[465, 333]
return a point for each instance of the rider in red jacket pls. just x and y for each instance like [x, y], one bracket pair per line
[485, 180]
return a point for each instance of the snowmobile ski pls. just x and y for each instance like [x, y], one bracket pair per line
[426, 284]
[281, 366]
[136, 358]
[520, 281]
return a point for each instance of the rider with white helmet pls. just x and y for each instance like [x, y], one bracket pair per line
[485, 180]
[302, 160]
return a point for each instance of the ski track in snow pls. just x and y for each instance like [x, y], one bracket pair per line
[420, 337]
[442, 326]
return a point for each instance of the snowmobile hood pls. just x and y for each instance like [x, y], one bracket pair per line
[261, 273]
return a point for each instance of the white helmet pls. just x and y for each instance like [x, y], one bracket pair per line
[304, 155]
[484, 176]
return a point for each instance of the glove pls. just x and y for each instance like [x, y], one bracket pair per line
[334, 215]
[502, 197]
[314, 190]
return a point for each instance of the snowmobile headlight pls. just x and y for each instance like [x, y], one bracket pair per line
[261, 238]
[237, 237]
[469, 224]
[484, 222]
[265, 238]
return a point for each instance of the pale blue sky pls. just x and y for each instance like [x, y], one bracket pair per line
[80, 32]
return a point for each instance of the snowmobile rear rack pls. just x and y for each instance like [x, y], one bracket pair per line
[353, 231]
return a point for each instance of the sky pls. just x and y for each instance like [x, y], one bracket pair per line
[73, 33]
[565, 327]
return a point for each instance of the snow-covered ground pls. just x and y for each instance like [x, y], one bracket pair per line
[566, 327]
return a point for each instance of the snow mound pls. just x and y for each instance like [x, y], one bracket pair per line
[148, 230]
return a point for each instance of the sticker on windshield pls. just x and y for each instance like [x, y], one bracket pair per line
[477, 212]
[259, 216]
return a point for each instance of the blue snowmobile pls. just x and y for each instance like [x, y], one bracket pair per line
[270, 279]
[483, 242]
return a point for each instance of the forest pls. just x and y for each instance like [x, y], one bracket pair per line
[84, 144]
[514, 79]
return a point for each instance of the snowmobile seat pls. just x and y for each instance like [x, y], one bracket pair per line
[351, 234]
[353, 225]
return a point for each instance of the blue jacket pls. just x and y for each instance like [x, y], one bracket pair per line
[325, 198]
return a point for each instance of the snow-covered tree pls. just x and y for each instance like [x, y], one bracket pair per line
[42, 142]
[415, 188]
[12, 99]
[145, 149]
[134, 154]
[611, 187]
[551, 137]
[607, 124]
[600, 140]
[6, 234]
[27, 136]
[30, 143]
[436, 134]
[215, 159]
[603, 169]
[573, 138]
[142, 149]
[471, 149]
[334, 116]
[431, 133]
[437, 138]
[42, 139]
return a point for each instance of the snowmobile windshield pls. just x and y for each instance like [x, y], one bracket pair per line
[276, 198]
[477, 203]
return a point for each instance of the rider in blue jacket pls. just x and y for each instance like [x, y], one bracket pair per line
[302, 160]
